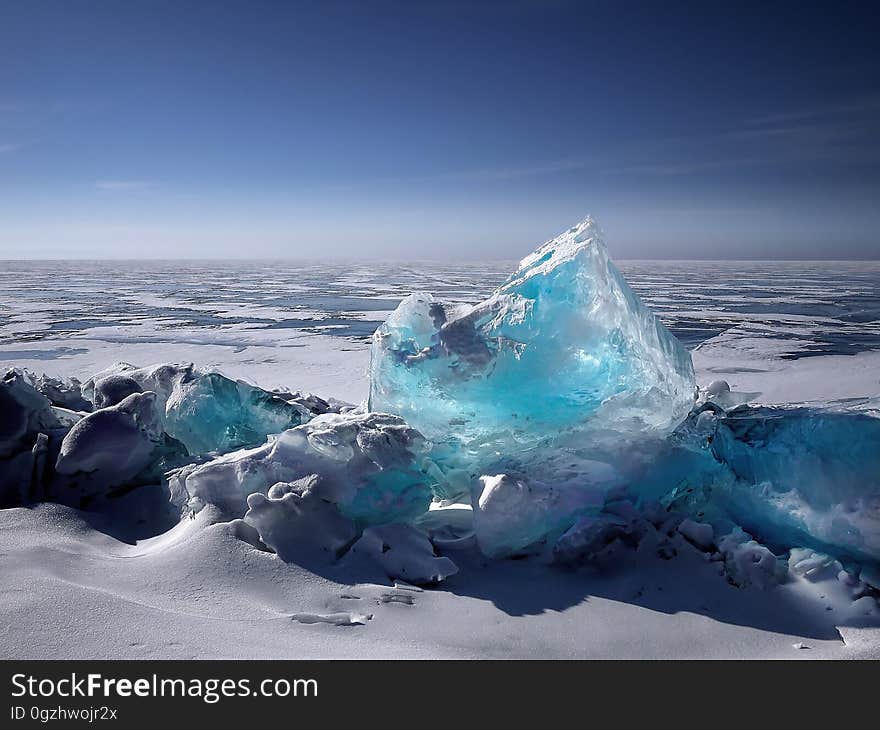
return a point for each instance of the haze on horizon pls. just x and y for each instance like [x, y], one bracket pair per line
[436, 131]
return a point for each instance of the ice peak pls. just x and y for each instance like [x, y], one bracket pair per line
[578, 239]
[585, 230]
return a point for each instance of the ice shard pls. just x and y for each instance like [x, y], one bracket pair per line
[563, 345]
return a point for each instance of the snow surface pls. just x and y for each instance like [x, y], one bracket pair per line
[198, 591]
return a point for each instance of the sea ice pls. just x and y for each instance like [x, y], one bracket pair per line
[791, 476]
[563, 345]
[538, 407]
[561, 369]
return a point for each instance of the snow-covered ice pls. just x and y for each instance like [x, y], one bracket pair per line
[367, 464]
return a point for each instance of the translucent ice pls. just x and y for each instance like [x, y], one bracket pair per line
[563, 345]
[803, 477]
[790, 476]
[205, 411]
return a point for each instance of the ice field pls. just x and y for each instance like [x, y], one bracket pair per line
[702, 483]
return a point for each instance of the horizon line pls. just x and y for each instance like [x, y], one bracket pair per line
[344, 259]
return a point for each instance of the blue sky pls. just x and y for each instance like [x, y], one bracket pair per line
[436, 130]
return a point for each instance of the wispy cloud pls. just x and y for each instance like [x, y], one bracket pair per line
[514, 172]
[687, 168]
[853, 107]
[124, 184]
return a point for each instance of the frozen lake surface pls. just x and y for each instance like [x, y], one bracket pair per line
[307, 324]
[136, 587]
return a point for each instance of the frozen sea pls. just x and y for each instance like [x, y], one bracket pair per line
[789, 332]
[306, 325]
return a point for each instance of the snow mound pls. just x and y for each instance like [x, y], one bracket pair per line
[370, 465]
[404, 553]
[300, 526]
[123, 445]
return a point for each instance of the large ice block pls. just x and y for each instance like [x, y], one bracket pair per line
[205, 411]
[563, 345]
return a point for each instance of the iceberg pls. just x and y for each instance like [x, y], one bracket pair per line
[532, 397]
[564, 345]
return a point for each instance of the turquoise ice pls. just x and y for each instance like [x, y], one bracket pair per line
[792, 477]
[205, 411]
[803, 477]
[563, 345]
[213, 413]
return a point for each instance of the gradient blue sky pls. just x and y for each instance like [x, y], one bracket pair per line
[437, 130]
